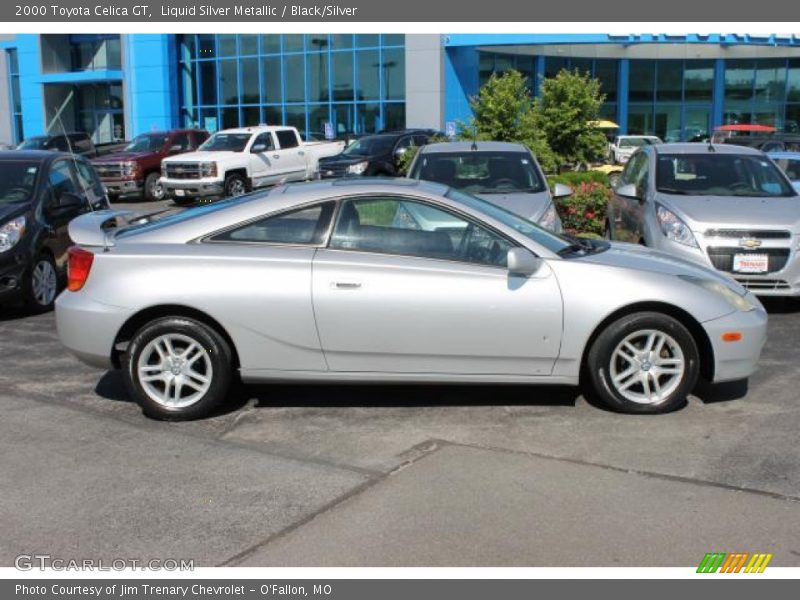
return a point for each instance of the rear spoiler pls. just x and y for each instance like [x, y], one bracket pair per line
[96, 228]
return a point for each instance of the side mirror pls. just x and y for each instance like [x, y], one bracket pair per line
[561, 191]
[258, 148]
[522, 261]
[400, 152]
[176, 149]
[628, 191]
[68, 201]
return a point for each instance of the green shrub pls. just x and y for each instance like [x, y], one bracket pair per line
[584, 212]
[575, 178]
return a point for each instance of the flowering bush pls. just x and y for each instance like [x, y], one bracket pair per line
[584, 212]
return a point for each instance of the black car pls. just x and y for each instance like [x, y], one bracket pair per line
[377, 154]
[40, 193]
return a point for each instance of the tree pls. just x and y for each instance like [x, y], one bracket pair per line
[564, 111]
[503, 112]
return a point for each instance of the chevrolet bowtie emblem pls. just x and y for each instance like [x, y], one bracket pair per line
[749, 243]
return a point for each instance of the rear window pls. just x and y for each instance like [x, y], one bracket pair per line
[286, 138]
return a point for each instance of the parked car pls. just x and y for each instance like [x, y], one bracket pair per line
[136, 170]
[329, 281]
[789, 162]
[78, 142]
[623, 146]
[502, 173]
[235, 161]
[40, 192]
[377, 154]
[722, 206]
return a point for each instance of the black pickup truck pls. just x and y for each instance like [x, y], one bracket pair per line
[77, 142]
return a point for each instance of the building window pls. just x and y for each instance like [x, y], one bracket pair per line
[16, 98]
[354, 82]
[757, 91]
[94, 53]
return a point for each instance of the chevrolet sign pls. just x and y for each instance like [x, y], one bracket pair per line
[750, 243]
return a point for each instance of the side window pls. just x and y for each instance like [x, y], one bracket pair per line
[420, 140]
[404, 143]
[287, 138]
[62, 179]
[411, 228]
[630, 172]
[266, 140]
[87, 178]
[182, 140]
[303, 226]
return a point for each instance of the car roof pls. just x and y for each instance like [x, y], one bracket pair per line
[474, 147]
[254, 129]
[703, 148]
[366, 185]
[35, 155]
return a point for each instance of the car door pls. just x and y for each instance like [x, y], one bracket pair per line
[265, 166]
[429, 294]
[626, 211]
[61, 179]
[292, 155]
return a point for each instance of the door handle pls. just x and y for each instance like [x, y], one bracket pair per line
[276, 156]
[301, 153]
[346, 285]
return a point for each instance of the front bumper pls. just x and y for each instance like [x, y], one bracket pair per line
[737, 360]
[783, 282]
[123, 187]
[192, 188]
[13, 271]
[92, 345]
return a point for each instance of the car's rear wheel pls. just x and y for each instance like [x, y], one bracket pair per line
[41, 285]
[153, 190]
[644, 363]
[177, 369]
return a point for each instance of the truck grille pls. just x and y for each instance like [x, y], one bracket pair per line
[328, 171]
[183, 171]
[766, 234]
[722, 258]
[108, 170]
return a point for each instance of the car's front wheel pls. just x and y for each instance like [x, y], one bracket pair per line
[153, 189]
[41, 284]
[235, 185]
[644, 363]
[177, 369]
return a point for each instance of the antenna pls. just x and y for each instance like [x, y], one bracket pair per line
[474, 138]
[74, 160]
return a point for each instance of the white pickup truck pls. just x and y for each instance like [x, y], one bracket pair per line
[235, 161]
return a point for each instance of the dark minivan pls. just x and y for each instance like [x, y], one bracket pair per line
[377, 154]
[40, 193]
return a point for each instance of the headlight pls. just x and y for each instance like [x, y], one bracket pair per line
[549, 219]
[11, 233]
[673, 228]
[736, 300]
[358, 168]
[208, 169]
[129, 168]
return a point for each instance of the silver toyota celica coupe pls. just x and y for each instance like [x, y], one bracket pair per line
[391, 281]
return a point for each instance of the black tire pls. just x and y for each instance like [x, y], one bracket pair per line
[218, 354]
[32, 296]
[601, 356]
[234, 183]
[182, 201]
[153, 190]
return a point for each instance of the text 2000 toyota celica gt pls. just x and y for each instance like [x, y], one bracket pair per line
[391, 281]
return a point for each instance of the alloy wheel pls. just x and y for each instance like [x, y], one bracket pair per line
[647, 366]
[44, 282]
[175, 370]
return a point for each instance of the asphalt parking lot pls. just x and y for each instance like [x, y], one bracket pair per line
[305, 475]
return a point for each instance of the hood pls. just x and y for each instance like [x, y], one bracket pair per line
[528, 205]
[203, 156]
[121, 157]
[708, 212]
[641, 258]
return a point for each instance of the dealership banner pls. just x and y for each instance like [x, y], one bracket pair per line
[383, 589]
[388, 11]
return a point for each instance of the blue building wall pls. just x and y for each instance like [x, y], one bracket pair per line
[151, 95]
[30, 85]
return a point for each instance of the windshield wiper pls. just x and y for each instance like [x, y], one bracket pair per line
[677, 192]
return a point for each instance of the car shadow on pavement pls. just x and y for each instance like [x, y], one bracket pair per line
[710, 393]
[781, 306]
[12, 312]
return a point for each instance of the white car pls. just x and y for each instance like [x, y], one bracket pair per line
[235, 161]
[623, 146]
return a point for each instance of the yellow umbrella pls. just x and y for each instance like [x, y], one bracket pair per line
[604, 124]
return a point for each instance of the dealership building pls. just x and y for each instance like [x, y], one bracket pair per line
[117, 86]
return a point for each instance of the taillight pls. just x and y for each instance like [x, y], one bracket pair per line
[78, 267]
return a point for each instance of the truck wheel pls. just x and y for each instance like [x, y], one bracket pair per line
[153, 190]
[235, 185]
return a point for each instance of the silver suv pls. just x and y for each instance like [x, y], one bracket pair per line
[724, 206]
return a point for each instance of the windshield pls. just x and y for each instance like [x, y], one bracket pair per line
[370, 146]
[149, 142]
[34, 143]
[479, 172]
[636, 142]
[17, 181]
[551, 241]
[711, 174]
[232, 142]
